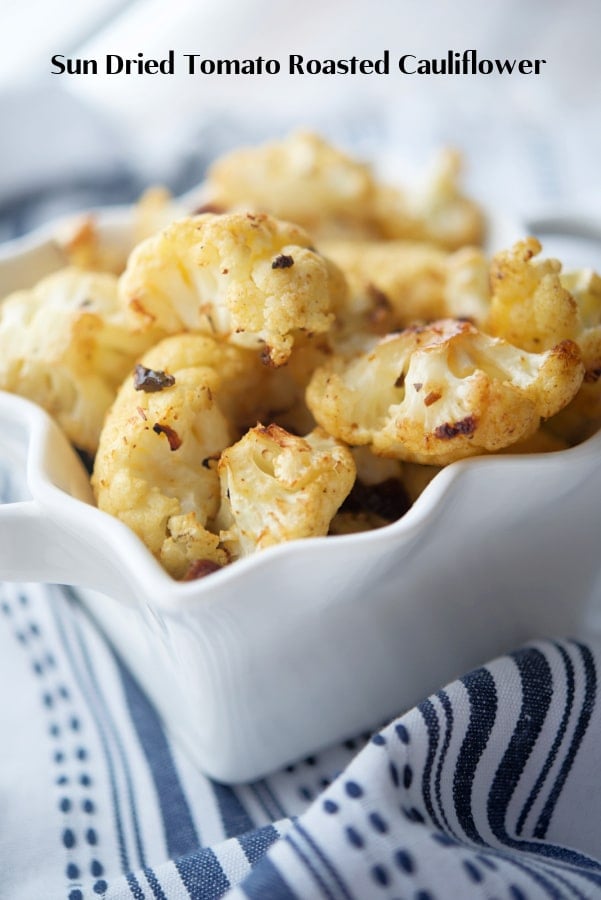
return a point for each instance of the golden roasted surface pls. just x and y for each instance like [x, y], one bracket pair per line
[65, 345]
[436, 212]
[156, 464]
[442, 392]
[249, 278]
[304, 179]
[534, 304]
[306, 297]
[301, 179]
[393, 284]
[276, 486]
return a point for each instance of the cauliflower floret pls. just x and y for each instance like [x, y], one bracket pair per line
[582, 417]
[301, 179]
[83, 245]
[442, 392]
[155, 210]
[64, 344]
[529, 307]
[535, 305]
[278, 487]
[156, 464]
[436, 211]
[393, 284]
[585, 288]
[305, 180]
[249, 278]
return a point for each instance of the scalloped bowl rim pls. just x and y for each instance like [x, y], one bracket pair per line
[142, 568]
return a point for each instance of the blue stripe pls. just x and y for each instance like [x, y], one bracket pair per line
[112, 728]
[543, 882]
[590, 694]
[537, 691]
[448, 712]
[234, 817]
[482, 694]
[570, 689]
[530, 870]
[155, 887]
[256, 843]
[92, 706]
[202, 875]
[535, 675]
[327, 863]
[310, 868]
[136, 890]
[266, 882]
[263, 785]
[180, 833]
[428, 713]
[87, 656]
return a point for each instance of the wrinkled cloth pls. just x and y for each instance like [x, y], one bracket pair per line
[489, 788]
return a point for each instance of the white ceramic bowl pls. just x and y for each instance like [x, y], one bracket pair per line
[310, 642]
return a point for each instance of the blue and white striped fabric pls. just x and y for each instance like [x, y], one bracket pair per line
[489, 789]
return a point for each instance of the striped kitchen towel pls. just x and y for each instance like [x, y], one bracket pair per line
[488, 789]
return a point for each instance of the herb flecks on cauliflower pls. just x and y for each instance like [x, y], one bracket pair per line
[277, 487]
[65, 345]
[156, 466]
[250, 279]
[442, 392]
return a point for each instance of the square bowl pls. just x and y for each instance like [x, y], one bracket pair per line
[313, 641]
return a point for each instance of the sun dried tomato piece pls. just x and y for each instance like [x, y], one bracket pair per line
[151, 380]
[283, 261]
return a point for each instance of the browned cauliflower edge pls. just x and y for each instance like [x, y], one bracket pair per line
[251, 279]
[156, 464]
[442, 392]
[65, 345]
[276, 486]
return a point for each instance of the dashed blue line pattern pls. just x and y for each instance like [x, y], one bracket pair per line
[401, 819]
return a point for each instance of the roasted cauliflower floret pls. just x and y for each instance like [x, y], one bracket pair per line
[306, 180]
[585, 288]
[534, 305]
[155, 210]
[64, 344]
[582, 417]
[442, 392]
[277, 487]
[302, 179]
[393, 284]
[156, 464]
[83, 245]
[437, 210]
[529, 307]
[251, 279]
